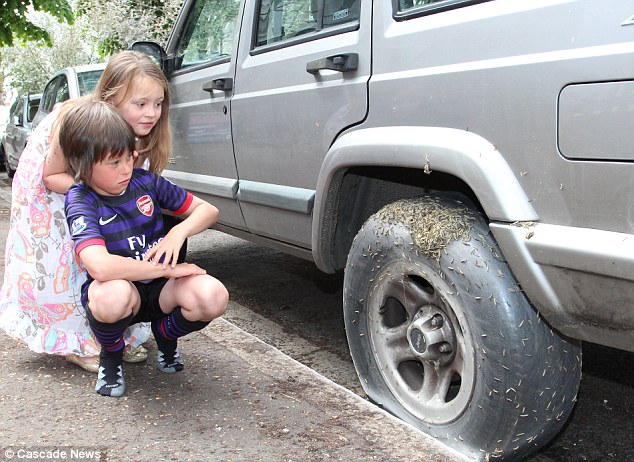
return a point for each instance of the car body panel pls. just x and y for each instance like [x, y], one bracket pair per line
[311, 109]
[18, 129]
[524, 105]
[518, 95]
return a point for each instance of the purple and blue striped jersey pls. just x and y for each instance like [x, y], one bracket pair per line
[129, 224]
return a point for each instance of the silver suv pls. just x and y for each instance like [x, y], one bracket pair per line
[466, 162]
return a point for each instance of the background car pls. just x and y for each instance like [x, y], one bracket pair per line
[69, 83]
[4, 120]
[18, 130]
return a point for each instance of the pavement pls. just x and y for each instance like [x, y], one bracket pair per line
[238, 399]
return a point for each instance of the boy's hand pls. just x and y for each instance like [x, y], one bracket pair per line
[166, 252]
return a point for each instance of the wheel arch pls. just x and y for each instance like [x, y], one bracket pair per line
[368, 168]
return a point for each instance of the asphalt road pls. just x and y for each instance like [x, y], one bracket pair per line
[288, 303]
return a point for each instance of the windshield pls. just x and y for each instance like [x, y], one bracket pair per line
[87, 81]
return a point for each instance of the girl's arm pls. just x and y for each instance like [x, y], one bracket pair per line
[55, 176]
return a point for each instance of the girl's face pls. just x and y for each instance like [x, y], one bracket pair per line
[142, 108]
[111, 176]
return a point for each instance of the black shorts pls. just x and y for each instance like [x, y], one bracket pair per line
[149, 293]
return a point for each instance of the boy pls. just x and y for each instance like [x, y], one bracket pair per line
[114, 216]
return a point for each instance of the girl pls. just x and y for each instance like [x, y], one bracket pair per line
[40, 300]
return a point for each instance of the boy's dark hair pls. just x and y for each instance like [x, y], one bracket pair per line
[90, 132]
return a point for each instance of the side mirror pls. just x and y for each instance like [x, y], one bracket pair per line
[154, 51]
[15, 120]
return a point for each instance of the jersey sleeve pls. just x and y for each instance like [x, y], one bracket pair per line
[172, 197]
[82, 218]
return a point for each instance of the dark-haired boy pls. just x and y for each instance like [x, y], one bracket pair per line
[114, 215]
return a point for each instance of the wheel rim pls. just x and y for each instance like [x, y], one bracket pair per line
[417, 339]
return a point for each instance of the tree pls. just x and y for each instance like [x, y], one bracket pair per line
[118, 23]
[15, 23]
[99, 30]
[31, 65]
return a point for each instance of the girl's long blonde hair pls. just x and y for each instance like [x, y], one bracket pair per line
[123, 71]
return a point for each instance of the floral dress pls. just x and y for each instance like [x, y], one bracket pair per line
[40, 300]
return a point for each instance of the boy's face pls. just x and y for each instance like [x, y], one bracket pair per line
[111, 176]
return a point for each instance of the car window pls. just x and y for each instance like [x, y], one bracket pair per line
[408, 4]
[284, 19]
[14, 106]
[48, 97]
[34, 103]
[17, 111]
[431, 6]
[62, 93]
[87, 81]
[210, 32]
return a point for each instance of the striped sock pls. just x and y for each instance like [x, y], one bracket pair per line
[109, 335]
[166, 332]
[110, 380]
[174, 325]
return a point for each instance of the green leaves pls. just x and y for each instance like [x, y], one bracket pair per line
[15, 23]
[40, 37]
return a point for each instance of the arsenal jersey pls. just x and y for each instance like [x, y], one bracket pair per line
[130, 224]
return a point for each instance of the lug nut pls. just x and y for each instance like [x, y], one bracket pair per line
[445, 348]
[437, 320]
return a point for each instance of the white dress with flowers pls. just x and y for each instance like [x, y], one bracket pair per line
[40, 300]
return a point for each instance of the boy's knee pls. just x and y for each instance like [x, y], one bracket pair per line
[111, 301]
[220, 300]
[215, 301]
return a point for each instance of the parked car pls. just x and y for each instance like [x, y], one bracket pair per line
[69, 83]
[467, 163]
[4, 120]
[18, 130]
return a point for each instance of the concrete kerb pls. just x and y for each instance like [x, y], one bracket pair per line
[354, 416]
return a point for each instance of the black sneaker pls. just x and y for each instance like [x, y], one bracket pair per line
[169, 359]
[110, 377]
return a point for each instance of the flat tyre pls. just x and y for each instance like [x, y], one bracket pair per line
[443, 337]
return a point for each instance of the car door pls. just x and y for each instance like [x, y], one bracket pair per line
[23, 129]
[12, 137]
[201, 78]
[301, 78]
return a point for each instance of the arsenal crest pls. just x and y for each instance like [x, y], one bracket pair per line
[145, 205]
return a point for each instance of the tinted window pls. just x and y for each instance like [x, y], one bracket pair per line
[408, 4]
[284, 19]
[48, 98]
[17, 111]
[33, 105]
[62, 92]
[422, 7]
[87, 81]
[210, 32]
